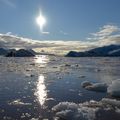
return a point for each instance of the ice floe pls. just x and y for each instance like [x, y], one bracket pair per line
[85, 84]
[18, 102]
[88, 110]
[98, 87]
[114, 88]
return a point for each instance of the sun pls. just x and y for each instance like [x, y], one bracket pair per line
[41, 21]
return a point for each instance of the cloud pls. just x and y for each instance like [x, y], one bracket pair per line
[9, 33]
[46, 33]
[9, 3]
[64, 33]
[105, 32]
[106, 35]
[56, 47]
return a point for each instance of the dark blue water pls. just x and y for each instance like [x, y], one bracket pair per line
[29, 89]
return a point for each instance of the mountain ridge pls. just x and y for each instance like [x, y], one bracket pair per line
[105, 51]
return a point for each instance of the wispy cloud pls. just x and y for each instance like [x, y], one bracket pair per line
[45, 33]
[108, 34]
[8, 3]
[105, 32]
[64, 33]
[9, 33]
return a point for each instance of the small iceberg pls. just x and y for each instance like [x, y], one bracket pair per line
[114, 88]
[86, 83]
[98, 87]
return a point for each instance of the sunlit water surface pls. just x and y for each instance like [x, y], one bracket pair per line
[30, 87]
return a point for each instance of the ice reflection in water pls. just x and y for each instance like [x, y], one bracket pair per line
[41, 90]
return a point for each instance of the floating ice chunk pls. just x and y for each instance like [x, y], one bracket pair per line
[98, 87]
[72, 111]
[112, 102]
[18, 102]
[67, 114]
[67, 65]
[34, 119]
[64, 106]
[88, 110]
[82, 76]
[114, 88]
[85, 84]
[50, 99]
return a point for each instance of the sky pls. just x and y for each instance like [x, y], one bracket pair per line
[67, 20]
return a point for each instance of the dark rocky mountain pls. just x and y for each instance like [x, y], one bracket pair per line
[105, 51]
[115, 52]
[3, 51]
[32, 51]
[20, 53]
[24, 53]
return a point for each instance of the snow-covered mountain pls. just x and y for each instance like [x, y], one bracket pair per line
[111, 50]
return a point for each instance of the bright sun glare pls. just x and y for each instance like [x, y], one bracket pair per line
[41, 21]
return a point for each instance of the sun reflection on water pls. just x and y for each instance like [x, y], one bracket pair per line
[41, 90]
[41, 59]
